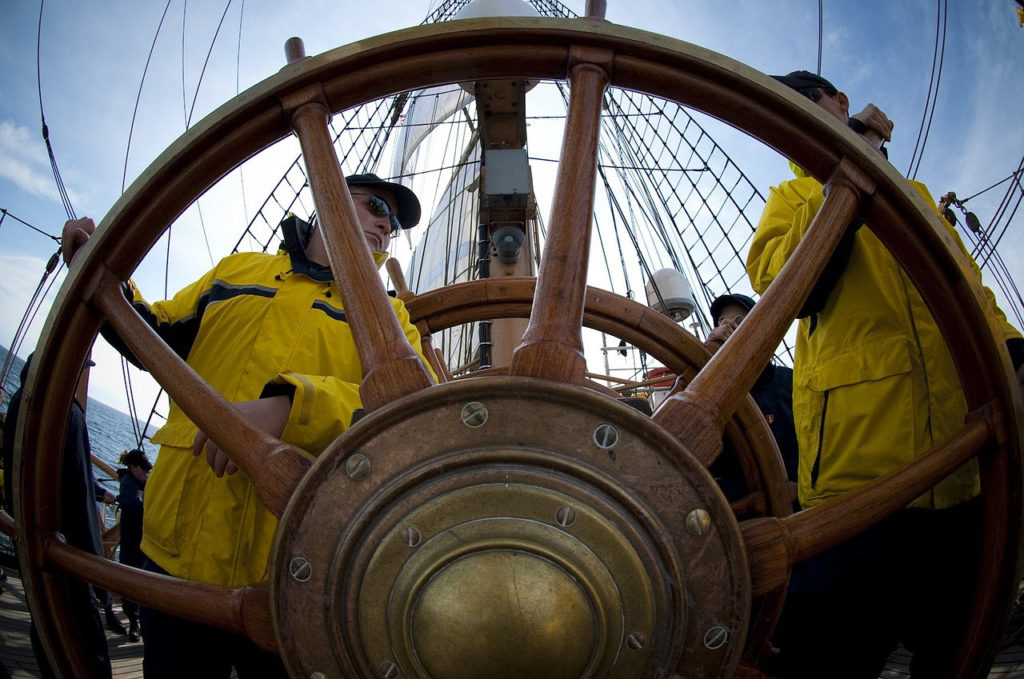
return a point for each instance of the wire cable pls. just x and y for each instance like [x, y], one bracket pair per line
[928, 97]
[22, 221]
[1004, 179]
[195, 96]
[238, 69]
[820, 22]
[42, 115]
[138, 96]
[941, 48]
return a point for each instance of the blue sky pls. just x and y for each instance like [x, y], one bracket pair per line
[93, 55]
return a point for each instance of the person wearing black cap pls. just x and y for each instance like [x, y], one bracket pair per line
[773, 393]
[133, 476]
[874, 388]
[270, 334]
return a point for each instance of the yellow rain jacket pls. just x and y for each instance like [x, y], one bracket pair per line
[254, 320]
[874, 385]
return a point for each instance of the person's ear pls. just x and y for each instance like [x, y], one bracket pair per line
[844, 103]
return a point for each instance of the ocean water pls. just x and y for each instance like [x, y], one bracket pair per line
[110, 430]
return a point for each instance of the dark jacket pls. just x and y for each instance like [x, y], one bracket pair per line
[773, 393]
[130, 498]
[10, 424]
[78, 487]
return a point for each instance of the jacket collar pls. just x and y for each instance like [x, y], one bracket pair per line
[297, 253]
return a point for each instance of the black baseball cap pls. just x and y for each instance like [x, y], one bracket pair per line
[408, 204]
[138, 458]
[804, 80]
[722, 300]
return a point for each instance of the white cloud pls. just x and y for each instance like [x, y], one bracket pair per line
[23, 161]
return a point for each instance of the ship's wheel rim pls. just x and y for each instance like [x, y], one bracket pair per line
[536, 48]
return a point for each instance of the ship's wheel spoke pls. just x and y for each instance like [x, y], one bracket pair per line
[552, 346]
[274, 467]
[697, 414]
[391, 368]
[775, 545]
[243, 610]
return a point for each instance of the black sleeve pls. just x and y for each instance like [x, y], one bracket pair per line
[179, 335]
[272, 389]
[10, 423]
[830, 275]
[1015, 345]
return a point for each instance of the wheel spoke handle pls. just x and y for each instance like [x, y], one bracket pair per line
[552, 346]
[273, 466]
[391, 367]
[242, 610]
[697, 415]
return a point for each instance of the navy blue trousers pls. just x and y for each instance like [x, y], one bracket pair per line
[907, 579]
[174, 648]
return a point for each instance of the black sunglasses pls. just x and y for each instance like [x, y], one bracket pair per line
[380, 207]
[815, 93]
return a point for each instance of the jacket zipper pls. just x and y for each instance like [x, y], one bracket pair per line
[821, 440]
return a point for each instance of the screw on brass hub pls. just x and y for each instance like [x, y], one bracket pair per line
[512, 550]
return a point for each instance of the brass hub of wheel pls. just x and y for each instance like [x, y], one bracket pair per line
[508, 527]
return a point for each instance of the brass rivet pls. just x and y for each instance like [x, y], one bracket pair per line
[357, 467]
[716, 637]
[412, 536]
[606, 436]
[698, 522]
[300, 569]
[474, 414]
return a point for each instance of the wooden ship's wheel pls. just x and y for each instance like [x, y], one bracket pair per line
[523, 524]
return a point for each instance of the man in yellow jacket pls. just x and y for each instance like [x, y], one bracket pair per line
[874, 388]
[269, 333]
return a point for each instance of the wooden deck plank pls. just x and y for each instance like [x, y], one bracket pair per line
[16, 648]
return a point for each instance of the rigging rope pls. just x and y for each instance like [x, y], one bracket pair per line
[238, 77]
[1004, 179]
[138, 96]
[820, 21]
[133, 414]
[13, 216]
[55, 263]
[35, 303]
[42, 115]
[987, 243]
[188, 119]
[1001, 213]
[942, 12]
[984, 241]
